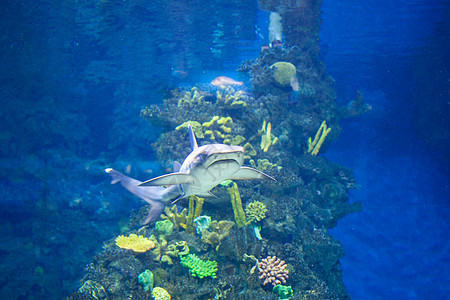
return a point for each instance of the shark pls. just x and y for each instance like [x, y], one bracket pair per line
[203, 169]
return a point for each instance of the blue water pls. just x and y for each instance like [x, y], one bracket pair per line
[398, 247]
[87, 69]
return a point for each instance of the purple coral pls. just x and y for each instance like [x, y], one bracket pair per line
[273, 270]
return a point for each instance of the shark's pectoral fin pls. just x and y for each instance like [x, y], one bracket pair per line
[249, 173]
[169, 179]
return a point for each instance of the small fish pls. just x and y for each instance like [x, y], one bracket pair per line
[224, 80]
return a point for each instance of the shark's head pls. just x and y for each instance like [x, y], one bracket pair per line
[214, 156]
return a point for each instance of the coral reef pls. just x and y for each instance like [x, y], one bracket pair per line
[309, 197]
[273, 270]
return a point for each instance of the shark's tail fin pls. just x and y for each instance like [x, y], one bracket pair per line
[156, 196]
[116, 176]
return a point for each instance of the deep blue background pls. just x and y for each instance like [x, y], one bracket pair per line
[398, 247]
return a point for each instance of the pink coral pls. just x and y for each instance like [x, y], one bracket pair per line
[273, 270]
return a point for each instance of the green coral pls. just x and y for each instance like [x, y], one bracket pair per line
[284, 292]
[163, 228]
[146, 279]
[255, 211]
[199, 268]
[283, 72]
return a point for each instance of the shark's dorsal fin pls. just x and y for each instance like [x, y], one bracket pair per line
[176, 166]
[169, 179]
[192, 139]
[250, 173]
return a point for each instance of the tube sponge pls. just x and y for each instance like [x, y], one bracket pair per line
[275, 27]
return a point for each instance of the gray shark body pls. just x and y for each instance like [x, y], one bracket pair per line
[203, 169]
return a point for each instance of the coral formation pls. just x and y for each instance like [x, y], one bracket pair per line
[255, 212]
[284, 292]
[239, 215]
[229, 98]
[195, 209]
[178, 219]
[135, 242]
[216, 233]
[146, 279]
[163, 228]
[322, 132]
[273, 270]
[159, 293]
[267, 138]
[283, 72]
[191, 98]
[199, 268]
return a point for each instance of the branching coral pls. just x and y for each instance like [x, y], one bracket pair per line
[228, 97]
[191, 98]
[179, 219]
[199, 268]
[267, 138]
[273, 270]
[165, 251]
[218, 127]
[135, 242]
[314, 146]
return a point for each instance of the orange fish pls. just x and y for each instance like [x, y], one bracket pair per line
[224, 80]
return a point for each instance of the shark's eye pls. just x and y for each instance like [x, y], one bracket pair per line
[201, 157]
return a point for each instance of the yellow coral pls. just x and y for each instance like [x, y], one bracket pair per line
[159, 293]
[314, 146]
[218, 127]
[255, 211]
[196, 127]
[177, 218]
[239, 215]
[137, 243]
[191, 98]
[195, 209]
[267, 138]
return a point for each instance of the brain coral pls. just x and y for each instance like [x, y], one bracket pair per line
[283, 72]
